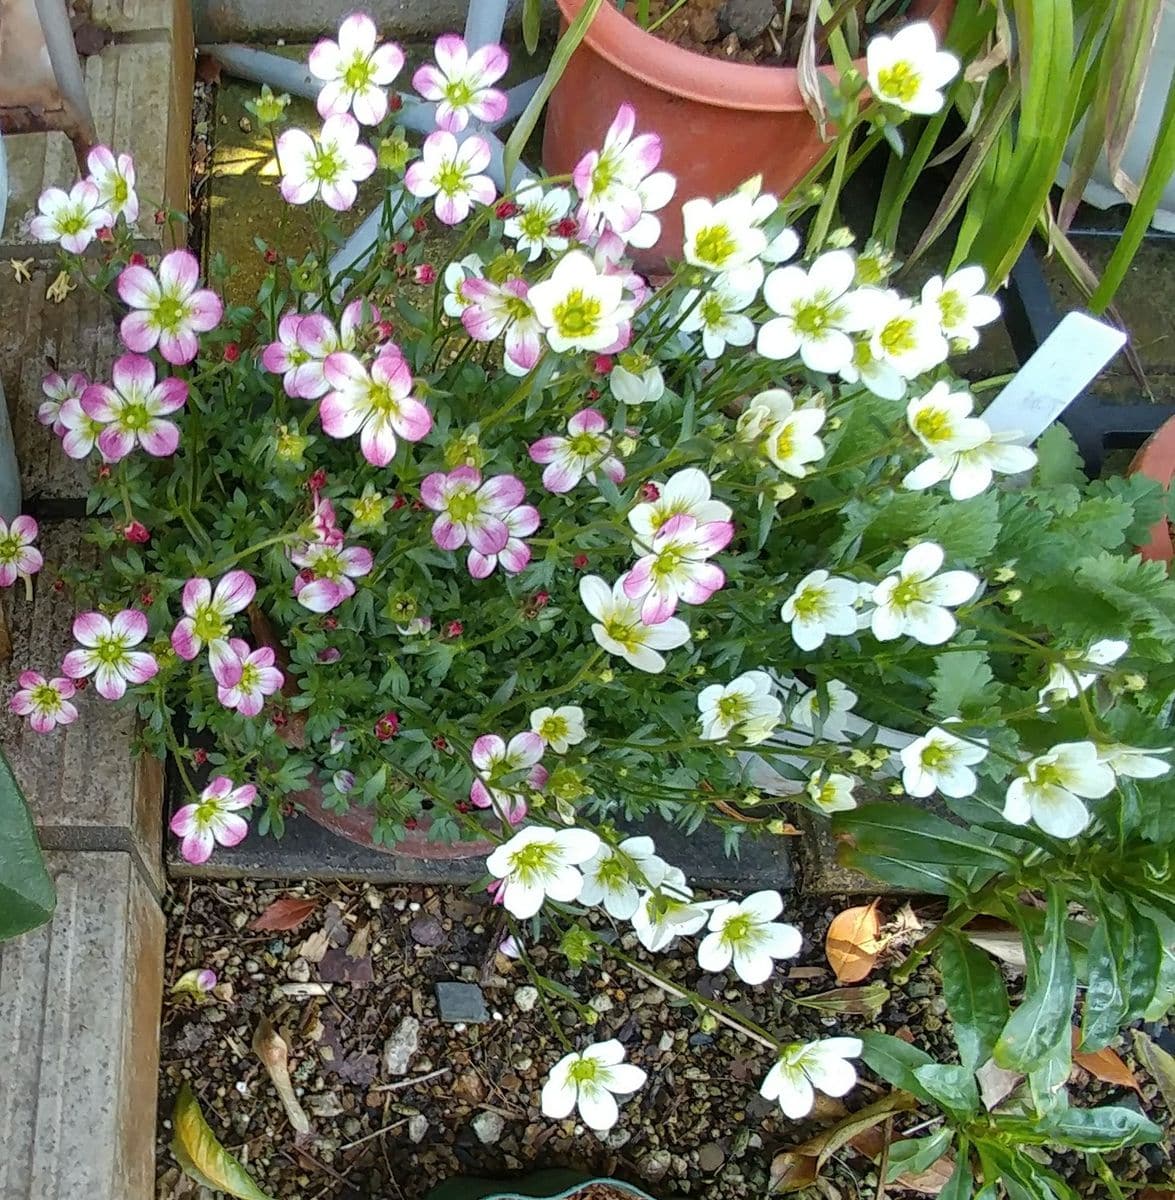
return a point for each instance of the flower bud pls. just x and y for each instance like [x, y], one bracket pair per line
[752, 423]
[232, 352]
[708, 1023]
[267, 107]
[1012, 595]
[1134, 682]
[394, 153]
[839, 239]
[424, 273]
[783, 491]
[1003, 574]
[136, 531]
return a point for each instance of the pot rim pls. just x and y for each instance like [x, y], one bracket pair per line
[692, 76]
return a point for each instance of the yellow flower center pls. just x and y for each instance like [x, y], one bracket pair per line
[208, 625]
[45, 699]
[897, 336]
[577, 315]
[554, 728]
[358, 75]
[933, 425]
[624, 632]
[714, 245]
[532, 861]
[953, 309]
[733, 708]
[899, 82]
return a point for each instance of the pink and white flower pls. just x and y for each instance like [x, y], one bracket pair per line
[586, 449]
[208, 618]
[46, 702]
[355, 71]
[470, 510]
[455, 277]
[132, 411]
[452, 171]
[328, 574]
[514, 556]
[676, 567]
[58, 391]
[535, 226]
[114, 177]
[72, 219]
[171, 309]
[686, 491]
[306, 341]
[80, 431]
[617, 185]
[377, 404]
[213, 819]
[494, 309]
[618, 627]
[331, 165]
[18, 555]
[581, 307]
[107, 652]
[461, 83]
[257, 678]
[286, 356]
[502, 768]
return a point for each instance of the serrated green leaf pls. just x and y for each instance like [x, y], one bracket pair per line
[963, 684]
[202, 1157]
[1057, 457]
[967, 530]
[977, 999]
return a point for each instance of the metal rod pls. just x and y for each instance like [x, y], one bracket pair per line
[484, 23]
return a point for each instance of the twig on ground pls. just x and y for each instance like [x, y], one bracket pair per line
[368, 1136]
[404, 1083]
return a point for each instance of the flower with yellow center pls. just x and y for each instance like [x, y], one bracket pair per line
[588, 1082]
[539, 863]
[1051, 788]
[579, 307]
[908, 71]
[747, 934]
[561, 728]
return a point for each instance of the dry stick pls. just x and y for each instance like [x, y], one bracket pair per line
[884, 1164]
[404, 1083]
[377, 1133]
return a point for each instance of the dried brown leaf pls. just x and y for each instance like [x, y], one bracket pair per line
[285, 914]
[271, 1048]
[852, 944]
[314, 947]
[1104, 1064]
[931, 1181]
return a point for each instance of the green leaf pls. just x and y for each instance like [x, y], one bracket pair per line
[952, 1086]
[526, 123]
[958, 1187]
[27, 895]
[1107, 1128]
[963, 684]
[1109, 976]
[967, 530]
[532, 16]
[896, 1062]
[976, 997]
[202, 1157]
[912, 1155]
[1160, 1065]
[917, 836]
[1057, 458]
[1042, 1020]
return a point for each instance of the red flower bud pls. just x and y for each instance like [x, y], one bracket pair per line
[425, 273]
[280, 720]
[650, 492]
[541, 599]
[579, 561]
[418, 506]
[104, 471]
[386, 726]
[160, 217]
[593, 393]
[463, 806]
[232, 352]
[398, 502]
[602, 364]
[567, 227]
[105, 234]
[331, 654]
[420, 224]
[146, 599]
[59, 585]
[199, 756]
[411, 823]
[136, 531]
[386, 329]
[137, 260]
[454, 629]
[306, 575]
[395, 102]
[330, 623]
[507, 209]
[400, 248]
[81, 684]
[271, 256]
[317, 480]
[439, 743]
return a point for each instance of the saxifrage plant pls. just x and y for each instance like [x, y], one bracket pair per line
[522, 544]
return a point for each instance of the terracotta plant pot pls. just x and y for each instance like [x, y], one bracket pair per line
[1156, 460]
[720, 122]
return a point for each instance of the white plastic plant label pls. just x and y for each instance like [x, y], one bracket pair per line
[1062, 368]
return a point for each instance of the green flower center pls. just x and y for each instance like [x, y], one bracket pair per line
[358, 75]
[73, 222]
[45, 699]
[714, 245]
[208, 624]
[535, 224]
[250, 677]
[733, 709]
[169, 313]
[740, 930]
[10, 547]
[585, 445]
[604, 174]
[326, 166]
[813, 318]
[554, 728]
[328, 565]
[382, 400]
[577, 315]
[530, 862]
[785, 441]
[459, 93]
[713, 314]
[668, 562]
[827, 793]
[450, 179]
[462, 506]
[586, 1070]
[899, 82]
[369, 510]
[953, 309]
[1048, 775]
[908, 592]
[613, 871]
[935, 756]
[812, 602]
[933, 425]
[624, 632]
[898, 337]
[134, 417]
[516, 307]
[109, 650]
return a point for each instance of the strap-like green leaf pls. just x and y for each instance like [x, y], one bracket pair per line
[27, 896]
[976, 997]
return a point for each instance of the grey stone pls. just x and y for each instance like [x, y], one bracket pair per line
[711, 1157]
[526, 998]
[401, 1046]
[461, 1002]
[747, 18]
[325, 1104]
[655, 1165]
[417, 1128]
[488, 1126]
[79, 1011]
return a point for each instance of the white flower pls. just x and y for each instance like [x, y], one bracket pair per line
[1049, 791]
[722, 236]
[748, 933]
[580, 308]
[940, 761]
[960, 304]
[355, 70]
[718, 314]
[451, 171]
[588, 1081]
[1067, 682]
[908, 70]
[560, 728]
[456, 273]
[914, 600]
[619, 629]
[879, 377]
[72, 220]
[821, 604]
[629, 388]
[942, 420]
[687, 492]
[832, 792]
[668, 912]
[839, 701]
[539, 863]
[535, 226]
[745, 704]
[816, 313]
[903, 335]
[1135, 762]
[612, 876]
[114, 177]
[330, 165]
[803, 1067]
[789, 433]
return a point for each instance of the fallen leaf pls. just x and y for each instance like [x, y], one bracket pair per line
[271, 1048]
[358, 1068]
[361, 942]
[1104, 1064]
[931, 1181]
[202, 1157]
[851, 944]
[996, 1083]
[791, 1171]
[337, 966]
[867, 1001]
[282, 915]
[426, 930]
[1160, 1066]
[207, 69]
[807, 973]
[90, 39]
[1006, 945]
[314, 947]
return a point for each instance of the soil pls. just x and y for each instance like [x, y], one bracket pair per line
[338, 986]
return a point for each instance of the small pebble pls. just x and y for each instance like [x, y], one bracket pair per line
[488, 1126]
[526, 998]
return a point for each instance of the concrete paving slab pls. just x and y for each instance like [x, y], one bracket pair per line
[79, 1038]
[141, 97]
[85, 789]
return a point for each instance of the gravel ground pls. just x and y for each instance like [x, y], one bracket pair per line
[342, 984]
